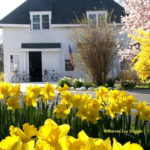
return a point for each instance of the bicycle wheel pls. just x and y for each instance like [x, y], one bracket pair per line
[26, 78]
[44, 77]
[55, 77]
[15, 79]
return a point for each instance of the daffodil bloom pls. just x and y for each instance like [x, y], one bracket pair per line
[102, 92]
[141, 106]
[47, 92]
[66, 97]
[13, 103]
[94, 104]
[10, 143]
[52, 133]
[127, 146]
[93, 116]
[133, 146]
[62, 89]
[43, 145]
[33, 89]
[62, 110]
[15, 143]
[87, 143]
[82, 112]
[28, 132]
[71, 143]
[15, 90]
[80, 100]
[143, 110]
[5, 90]
[30, 99]
[114, 94]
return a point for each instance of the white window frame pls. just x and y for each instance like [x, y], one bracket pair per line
[19, 62]
[88, 13]
[40, 13]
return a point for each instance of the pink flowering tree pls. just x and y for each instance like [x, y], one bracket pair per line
[137, 16]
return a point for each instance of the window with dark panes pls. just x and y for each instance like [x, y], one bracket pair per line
[45, 21]
[14, 63]
[101, 18]
[92, 19]
[95, 18]
[68, 65]
[36, 22]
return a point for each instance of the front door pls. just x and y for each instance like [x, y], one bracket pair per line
[35, 66]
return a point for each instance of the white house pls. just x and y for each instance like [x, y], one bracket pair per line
[35, 34]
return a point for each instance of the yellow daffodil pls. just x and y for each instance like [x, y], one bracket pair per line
[14, 143]
[102, 92]
[80, 100]
[127, 146]
[82, 112]
[33, 89]
[52, 133]
[114, 94]
[10, 143]
[13, 103]
[93, 116]
[66, 97]
[5, 90]
[28, 132]
[62, 89]
[47, 92]
[43, 145]
[15, 90]
[62, 110]
[94, 104]
[30, 99]
[133, 146]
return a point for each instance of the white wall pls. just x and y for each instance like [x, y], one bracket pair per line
[51, 61]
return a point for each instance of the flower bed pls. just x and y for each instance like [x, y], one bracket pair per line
[113, 114]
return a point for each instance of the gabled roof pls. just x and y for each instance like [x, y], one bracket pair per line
[63, 11]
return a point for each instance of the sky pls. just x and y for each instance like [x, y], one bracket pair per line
[6, 6]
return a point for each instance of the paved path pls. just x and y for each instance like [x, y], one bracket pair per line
[140, 94]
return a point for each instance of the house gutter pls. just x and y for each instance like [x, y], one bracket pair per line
[53, 25]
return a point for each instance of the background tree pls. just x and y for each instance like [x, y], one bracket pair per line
[97, 49]
[142, 60]
[137, 17]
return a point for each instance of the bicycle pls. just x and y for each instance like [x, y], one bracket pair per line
[54, 76]
[18, 77]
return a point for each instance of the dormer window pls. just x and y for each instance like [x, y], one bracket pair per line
[95, 18]
[45, 22]
[36, 22]
[40, 20]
